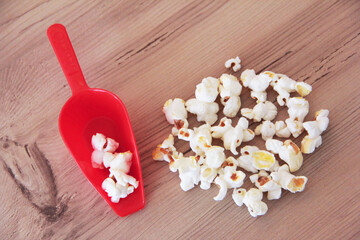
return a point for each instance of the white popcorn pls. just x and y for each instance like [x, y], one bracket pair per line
[233, 63]
[266, 129]
[98, 141]
[288, 151]
[115, 190]
[245, 161]
[230, 164]
[207, 90]
[231, 104]
[322, 118]
[292, 155]
[263, 110]
[205, 112]
[229, 86]
[230, 89]
[111, 145]
[122, 178]
[165, 151]
[222, 189]
[257, 83]
[288, 181]
[298, 108]
[231, 136]
[263, 160]
[248, 135]
[265, 183]
[281, 129]
[189, 171]
[207, 176]
[174, 110]
[303, 88]
[284, 85]
[252, 200]
[200, 138]
[273, 145]
[308, 144]
[233, 179]
[238, 196]
[101, 143]
[120, 161]
[214, 157]
[97, 159]
[295, 127]
[252, 159]
[314, 130]
[178, 124]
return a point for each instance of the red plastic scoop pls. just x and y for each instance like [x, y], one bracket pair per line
[90, 111]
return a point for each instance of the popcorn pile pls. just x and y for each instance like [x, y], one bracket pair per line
[119, 184]
[211, 165]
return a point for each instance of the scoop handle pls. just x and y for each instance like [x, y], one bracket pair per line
[65, 54]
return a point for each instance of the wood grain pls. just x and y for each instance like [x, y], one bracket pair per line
[147, 52]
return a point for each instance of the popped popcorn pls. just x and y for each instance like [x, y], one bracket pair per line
[230, 89]
[166, 150]
[257, 83]
[214, 156]
[295, 127]
[122, 178]
[266, 130]
[308, 144]
[101, 144]
[298, 108]
[288, 151]
[284, 85]
[176, 114]
[315, 129]
[264, 182]
[120, 161]
[288, 181]
[245, 161]
[228, 179]
[207, 176]
[207, 90]
[262, 110]
[122, 187]
[189, 172]
[222, 189]
[115, 190]
[174, 110]
[233, 63]
[210, 164]
[232, 136]
[200, 138]
[231, 104]
[252, 159]
[118, 185]
[205, 111]
[229, 86]
[281, 130]
[252, 200]
[238, 196]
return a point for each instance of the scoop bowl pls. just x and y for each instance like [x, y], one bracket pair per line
[90, 111]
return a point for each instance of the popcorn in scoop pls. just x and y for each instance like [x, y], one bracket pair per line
[118, 185]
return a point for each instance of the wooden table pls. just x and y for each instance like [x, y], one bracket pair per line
[147, 52]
